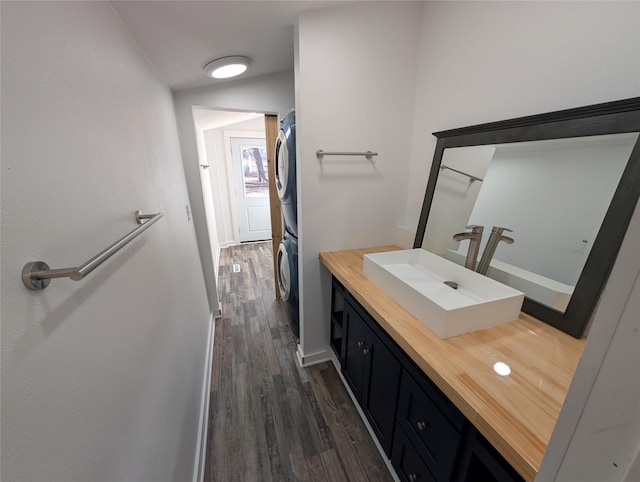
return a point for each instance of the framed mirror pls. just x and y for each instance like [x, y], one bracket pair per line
[565, 183]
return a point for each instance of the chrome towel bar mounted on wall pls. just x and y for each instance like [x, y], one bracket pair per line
[36, 275]
[368, 154]
[471, 178]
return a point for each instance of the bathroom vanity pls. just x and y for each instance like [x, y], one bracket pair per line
[479, 406]
[482, 405]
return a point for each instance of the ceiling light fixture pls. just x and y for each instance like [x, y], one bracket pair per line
[227, 67]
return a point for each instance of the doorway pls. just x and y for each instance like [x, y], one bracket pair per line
[249, 166]
[214, 130]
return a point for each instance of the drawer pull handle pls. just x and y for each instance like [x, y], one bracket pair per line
[360, 343]
[365, 351]
[422, 425]
[413, 477]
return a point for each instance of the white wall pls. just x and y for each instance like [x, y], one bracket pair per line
[633, 473]
[208, 204]
[487, 61]
[273, 94]
[101, 379]
[221, 187]
[355, 71]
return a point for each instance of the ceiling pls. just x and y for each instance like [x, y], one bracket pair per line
[206, 119]
[180, 37]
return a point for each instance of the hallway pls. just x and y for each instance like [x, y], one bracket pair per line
[269, 419]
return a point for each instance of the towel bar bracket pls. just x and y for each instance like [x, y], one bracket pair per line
[36, 284]
[141, 217]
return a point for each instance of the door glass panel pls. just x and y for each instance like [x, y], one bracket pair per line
[254, 171]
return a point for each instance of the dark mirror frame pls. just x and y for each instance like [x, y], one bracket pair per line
[609, 118]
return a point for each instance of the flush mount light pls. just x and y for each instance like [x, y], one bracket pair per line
[227, 67]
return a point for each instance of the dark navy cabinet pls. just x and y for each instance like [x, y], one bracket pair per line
[429, 430]
[409, 464]
[337, 312]
[353, 355]
[487, 464]
[422, 432]
[371, 371]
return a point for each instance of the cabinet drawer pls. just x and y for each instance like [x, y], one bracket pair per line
[405, 459]
[436, 439]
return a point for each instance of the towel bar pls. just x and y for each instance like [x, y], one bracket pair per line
[367, 154]
[471, 177]
[36, 275]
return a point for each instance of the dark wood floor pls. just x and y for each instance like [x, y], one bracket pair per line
[269, 419]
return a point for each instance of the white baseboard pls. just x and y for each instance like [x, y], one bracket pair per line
[216, 263]
[336, 362]
[313, 358]
[203, 425]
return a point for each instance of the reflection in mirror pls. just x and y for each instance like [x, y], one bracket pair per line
[553, 194]
[550, 208]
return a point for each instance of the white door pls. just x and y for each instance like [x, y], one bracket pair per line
[250, 172]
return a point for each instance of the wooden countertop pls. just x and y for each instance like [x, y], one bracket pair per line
[516, 413]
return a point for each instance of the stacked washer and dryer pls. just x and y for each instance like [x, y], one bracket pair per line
[285, 178]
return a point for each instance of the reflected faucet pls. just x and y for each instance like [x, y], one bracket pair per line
[489, 250]
[474, 236]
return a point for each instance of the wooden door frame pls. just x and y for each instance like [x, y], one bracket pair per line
[271, 134]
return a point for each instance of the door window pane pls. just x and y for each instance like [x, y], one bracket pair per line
[254, 171]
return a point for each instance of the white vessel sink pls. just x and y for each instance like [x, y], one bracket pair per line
[415, 279]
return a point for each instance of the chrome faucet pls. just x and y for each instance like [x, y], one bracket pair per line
[474, 236]
[489, 250]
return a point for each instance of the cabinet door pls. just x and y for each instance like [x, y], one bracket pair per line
[408, 464]
[426, 426]
[355, 333]
[382, 380]
[487, 464]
